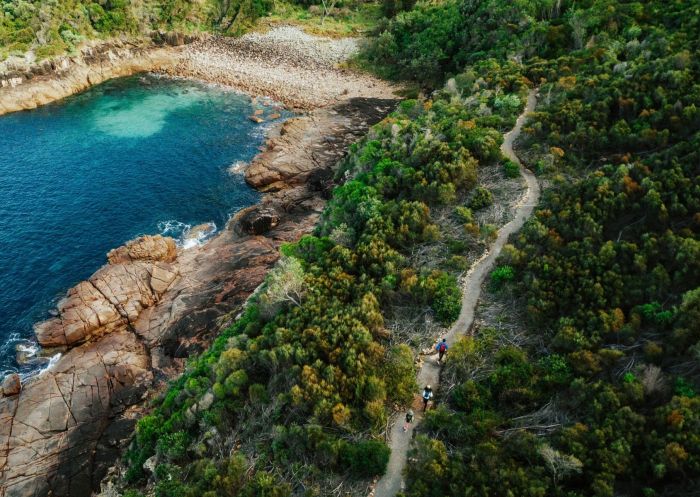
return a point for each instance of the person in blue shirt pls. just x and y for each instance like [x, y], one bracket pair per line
[427, 395]
[441, 347]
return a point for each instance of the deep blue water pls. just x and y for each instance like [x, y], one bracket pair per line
[137, 155]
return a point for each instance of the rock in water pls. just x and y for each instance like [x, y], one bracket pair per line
[11, 385]
[199, 232]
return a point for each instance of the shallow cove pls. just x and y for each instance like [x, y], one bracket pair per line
[135, 155]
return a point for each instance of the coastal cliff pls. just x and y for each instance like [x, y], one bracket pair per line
[130, 327]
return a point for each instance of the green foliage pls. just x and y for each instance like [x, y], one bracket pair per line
[133, 493]
[441, 291]
[511, 169]
[435, 40]
[307, 373]
[366, 458]
[54, 28]
[599, 397]
[481, 198]
[683, 388]
[400, 374]
[392, 7]
[501, 275]
[464, 214]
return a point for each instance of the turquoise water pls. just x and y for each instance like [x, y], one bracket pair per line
[137, 155]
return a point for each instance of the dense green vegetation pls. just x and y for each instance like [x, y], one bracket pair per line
[301, 385]
[584, 386]
[55, 27]
[598, 397]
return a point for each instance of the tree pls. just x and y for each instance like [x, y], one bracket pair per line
[559, 465]
[285, 283]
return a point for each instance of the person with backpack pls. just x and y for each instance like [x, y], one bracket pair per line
[409, 419]
[427, 395]
[441, 347]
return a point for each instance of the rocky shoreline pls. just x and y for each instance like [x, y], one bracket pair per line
[130, 327]
[25, 85]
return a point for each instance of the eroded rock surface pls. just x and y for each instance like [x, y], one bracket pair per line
[27, 87]
[11, 385]
[135, 279]
[61, 425]
[145, 248]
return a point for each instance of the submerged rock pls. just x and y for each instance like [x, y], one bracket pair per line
[198, 232]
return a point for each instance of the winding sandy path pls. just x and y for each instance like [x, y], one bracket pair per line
[392, 481]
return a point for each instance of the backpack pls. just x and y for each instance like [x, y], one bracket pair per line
[427, 394]
[442, 347]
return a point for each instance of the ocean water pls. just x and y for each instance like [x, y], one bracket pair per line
[137, 155]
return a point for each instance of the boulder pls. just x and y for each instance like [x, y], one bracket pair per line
[112, 298]
[258, 220]
[145, 248]
[11, 385]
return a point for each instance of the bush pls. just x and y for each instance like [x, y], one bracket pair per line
[501, 275]
[392, 7]
[511, 169]
[480, 198]
[444, 295]
[464, 214]
[400, 374]
[366, 458]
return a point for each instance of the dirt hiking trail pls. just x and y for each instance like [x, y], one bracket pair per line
[392, 481]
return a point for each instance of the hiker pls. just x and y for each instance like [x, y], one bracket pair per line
[409, 419]
[427, 395]
[441, 347]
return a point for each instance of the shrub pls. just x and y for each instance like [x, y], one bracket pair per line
[446, 297]
[501, 275]
[480, 198]
[683, 388]
[511, 169]
[464, 214]
[173, 445]
[400, 374]
[366, 458]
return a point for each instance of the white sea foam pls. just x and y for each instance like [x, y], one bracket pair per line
[237, 167]
[28, 348]
[197, 238]
[187, 236]
[173, 228]
[52, 362]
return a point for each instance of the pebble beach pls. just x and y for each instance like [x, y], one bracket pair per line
[284, 63]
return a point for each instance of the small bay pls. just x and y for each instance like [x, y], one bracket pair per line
[137, 155]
